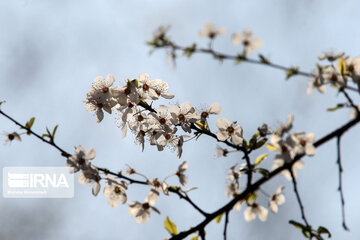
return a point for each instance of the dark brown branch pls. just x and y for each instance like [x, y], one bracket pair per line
[262, 180]
[340, 189]
[223, 56]
[302, 210]
[226, 224]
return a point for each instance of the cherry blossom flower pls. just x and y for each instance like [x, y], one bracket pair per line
[90, 175]
[141, 211]
[254, 210]
[147, 87]
[247, 40]
[303, 143]
[210, 31]
[212, 109]
[221, 152]
[276, 199]
[184, 115]
[161, 89]
[279, 162]
[159, 186]
[181, 173]
[116, 192]
[97, 101]
[285, 128]
[331, 75]
[353, 67]
[227, 130]
[9, 137]
[80, 159]
[331, 56]
[317, 82]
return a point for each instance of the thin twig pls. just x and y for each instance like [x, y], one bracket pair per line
[226, 224]
[298, 197]
[340, 189]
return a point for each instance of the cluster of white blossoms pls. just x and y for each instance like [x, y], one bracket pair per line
[347, 67]
[116, 188]
[159, 126]
[245, 39]
[289, 146]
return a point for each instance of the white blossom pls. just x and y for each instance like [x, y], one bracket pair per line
[331, 56]
[247, 40]
[141, 211]
[276, 199]
[80, 159]
[116, 192]
[254, 210]
[227, 130]
[210, 31]
[181, 173]
[9, 137]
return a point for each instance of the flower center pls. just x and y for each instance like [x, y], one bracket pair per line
[162, 120]
[302, 142]
[230, 129]
[167, 137]
[130, 105]
[204, 114]
[156, 183]
[158, 92]
[246, 43]
[99, 105]
[11, 136]
[105, 89]
[140, 118]
[146, 87]
[117, 189]
[333, 77]
[146, 206]
[181, 117]
[81, 161]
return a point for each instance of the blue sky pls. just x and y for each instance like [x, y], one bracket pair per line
[50, 51]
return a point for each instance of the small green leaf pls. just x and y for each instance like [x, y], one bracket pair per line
[291, 72]
[218, 218]
[239, 58]
[263, 59]
[170, 226]
[338, 106]
[260, 143]
[190, 189]
[324, 230]
[271, 147]
[263, 171]
[190, 50]
[251, 196]
[253, 140]
[195, 238]
[29, 124]
[297, 224]
[54, 131]
[260, 158]
[341, 65]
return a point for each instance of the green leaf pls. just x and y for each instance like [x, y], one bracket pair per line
[253, 140]
[251, 196]
[260, 158]
[195, 238]
[297, 224]
[190, 189]
[271, 147]
[29, 124]
[338, 106]
[341, 65]
[260, 143]
[190, 50]
[218, 217]
[263, 59]
[239, 58]
[54, 131]
[323, 230]
[170, 226]
[291, 72]
[263, 171]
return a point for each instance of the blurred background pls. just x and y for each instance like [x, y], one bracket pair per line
[50, 52]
